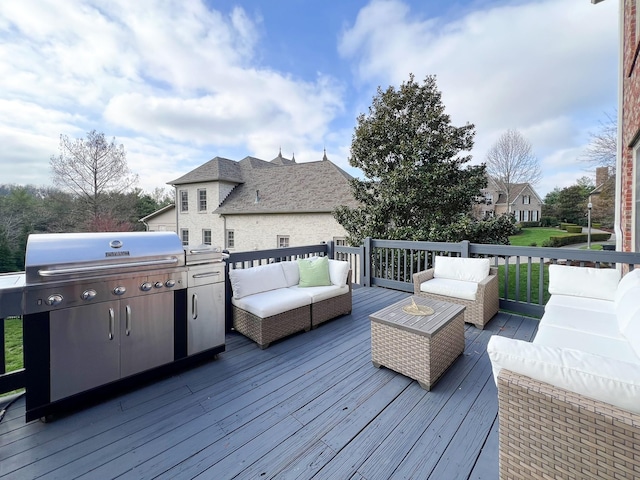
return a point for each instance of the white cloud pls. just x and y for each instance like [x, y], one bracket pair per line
[546, 68]
[175, 75]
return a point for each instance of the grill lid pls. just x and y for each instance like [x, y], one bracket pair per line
[55, 256]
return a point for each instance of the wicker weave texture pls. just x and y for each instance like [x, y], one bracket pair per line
[477, 312]
[549, 432]
[263, 331]
[330, 308]
[419, 357]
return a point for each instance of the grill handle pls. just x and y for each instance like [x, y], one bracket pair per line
[111, 323]
[194, 307]
[100, 268]
[127, 320]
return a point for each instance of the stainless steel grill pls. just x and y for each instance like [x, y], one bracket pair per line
[99, 308]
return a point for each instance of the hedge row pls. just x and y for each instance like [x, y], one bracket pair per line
[570, 240]
[573, 229]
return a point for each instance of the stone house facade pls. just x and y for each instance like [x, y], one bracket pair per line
[524, 202]
[163, 220]
[253, 204]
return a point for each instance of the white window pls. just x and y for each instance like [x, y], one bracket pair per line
[202, 200]
[184, 235]
[516, 213]
[488, 198]
[206, 237]
[525, 217]
[340, 241]
[283, 241]
[184, 201]
[526, 199]
[230, 239]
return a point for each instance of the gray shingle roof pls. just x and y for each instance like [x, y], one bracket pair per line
[291, 187]
[214, 170]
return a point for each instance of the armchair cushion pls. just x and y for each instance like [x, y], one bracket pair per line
[338, 272]
[466, 269]
[605, 379]
[450, 288]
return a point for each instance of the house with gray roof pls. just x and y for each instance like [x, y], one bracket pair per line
[254, 204]
[524, 202]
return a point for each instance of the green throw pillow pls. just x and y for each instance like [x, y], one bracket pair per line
[314, 273]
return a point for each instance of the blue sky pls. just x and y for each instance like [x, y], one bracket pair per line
[179, 82]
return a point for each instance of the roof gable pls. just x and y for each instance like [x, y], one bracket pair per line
[217, 169]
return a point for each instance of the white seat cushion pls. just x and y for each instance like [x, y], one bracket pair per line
[581, 303]
[592, 322]
[605, 379]
[273, 302]
[615, 348]
[450, 288]
[317, 294]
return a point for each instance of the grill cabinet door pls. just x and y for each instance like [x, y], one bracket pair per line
[146, 332]
[205, 318]
[85, 348]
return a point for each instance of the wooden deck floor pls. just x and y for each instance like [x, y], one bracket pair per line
[310, 406]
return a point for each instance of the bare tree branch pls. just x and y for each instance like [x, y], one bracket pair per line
[89, 168]
[511, 161]
[602, 148]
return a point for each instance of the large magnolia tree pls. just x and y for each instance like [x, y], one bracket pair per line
[416, 183]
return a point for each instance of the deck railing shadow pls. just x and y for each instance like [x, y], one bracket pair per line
[392, 263]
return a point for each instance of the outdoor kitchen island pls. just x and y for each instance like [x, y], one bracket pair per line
[108, 311]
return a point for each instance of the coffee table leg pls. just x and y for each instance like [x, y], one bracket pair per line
[376, 364]
[424, 385]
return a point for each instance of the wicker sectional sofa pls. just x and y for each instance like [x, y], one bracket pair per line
[268, 302]
[569, 402]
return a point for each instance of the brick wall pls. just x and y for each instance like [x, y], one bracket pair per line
[630, 123]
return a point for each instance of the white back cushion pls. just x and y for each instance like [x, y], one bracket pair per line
[583, 281]
[291, 272]
[338, 272]
[466, 269]
[258, 279]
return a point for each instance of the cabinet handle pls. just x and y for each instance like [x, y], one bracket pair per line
[111, 323]
[127, 320]
[194, 306]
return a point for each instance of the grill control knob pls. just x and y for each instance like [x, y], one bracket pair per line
[146, 286]
[158, 284]
[88, 294]
[119, 290]
[54, 300]
[170, 283]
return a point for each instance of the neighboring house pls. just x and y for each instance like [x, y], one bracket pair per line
[524, 202]
[163, 220]
[602, 197]
[253, 204]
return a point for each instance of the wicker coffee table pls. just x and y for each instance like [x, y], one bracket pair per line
[421, 347]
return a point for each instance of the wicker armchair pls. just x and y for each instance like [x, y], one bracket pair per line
[549, 432]
[478, 311]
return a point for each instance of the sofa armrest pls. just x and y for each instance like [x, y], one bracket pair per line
[600, 378]
[574, 432]
[420, 277]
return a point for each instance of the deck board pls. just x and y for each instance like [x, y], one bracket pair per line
[309, 406]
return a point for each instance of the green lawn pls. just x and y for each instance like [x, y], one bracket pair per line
[13, 343]
[537, 236]
[535, 278]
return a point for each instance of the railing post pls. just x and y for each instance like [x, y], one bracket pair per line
[365, 263]
[464, 248]
[3, 367]
[331, 253]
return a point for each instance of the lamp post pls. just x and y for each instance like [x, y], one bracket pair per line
[589, 206]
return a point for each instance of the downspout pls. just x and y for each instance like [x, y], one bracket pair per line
[175, 196]
[618, 213]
